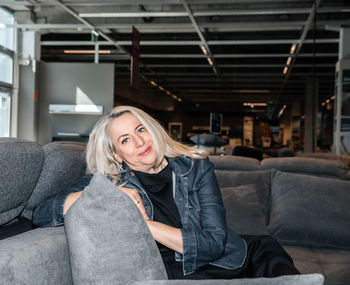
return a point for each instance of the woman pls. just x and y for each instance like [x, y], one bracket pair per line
[176, 192]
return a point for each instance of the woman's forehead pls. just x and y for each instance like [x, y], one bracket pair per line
[124, 123]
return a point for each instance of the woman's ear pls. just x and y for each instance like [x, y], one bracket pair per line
[117, 158]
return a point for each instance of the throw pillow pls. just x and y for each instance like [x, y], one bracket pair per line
[243, 212]
[108, 240]
[310, 211]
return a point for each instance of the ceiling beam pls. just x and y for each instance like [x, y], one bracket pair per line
[228, 12]
[184, 27]
[187, 43]
[301, 41]
[204, 44]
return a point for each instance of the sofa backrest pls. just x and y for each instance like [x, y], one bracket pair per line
[310, 166]
[21, 162]
[64, 164]
[233, 162]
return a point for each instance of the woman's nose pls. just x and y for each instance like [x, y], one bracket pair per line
[139, 141]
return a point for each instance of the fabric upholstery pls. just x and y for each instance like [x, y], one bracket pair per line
[232, 162]
[21, 162]
[310, 211]
[333, 264]
[309, 279]
[109, 242]
[261, 179]
[38, 256]
[306, 165]
[243, 212]
[64, 164]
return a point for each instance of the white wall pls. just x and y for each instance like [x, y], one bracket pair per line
[73, 83]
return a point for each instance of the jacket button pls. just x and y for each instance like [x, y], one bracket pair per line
[190, 192]
[179, 181]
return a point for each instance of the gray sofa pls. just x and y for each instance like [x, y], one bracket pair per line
[259, 199]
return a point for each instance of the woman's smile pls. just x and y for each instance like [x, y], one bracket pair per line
[146, 151]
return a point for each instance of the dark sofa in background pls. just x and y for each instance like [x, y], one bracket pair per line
[301, 202]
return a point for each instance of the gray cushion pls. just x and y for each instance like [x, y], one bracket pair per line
[38, 256]
[261, 178]
[333, 264]
[234, 162]
[243, 212]
[108, 240]
[20, 163]
[310, 211]
[309, 279]
[306, 165]
[63, 165]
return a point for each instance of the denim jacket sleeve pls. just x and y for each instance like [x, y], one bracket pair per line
[49, 212]
[204, 236]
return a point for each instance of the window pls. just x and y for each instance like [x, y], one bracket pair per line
[6, 34]
[6, 70]
[4, 115]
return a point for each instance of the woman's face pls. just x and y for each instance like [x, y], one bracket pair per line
[133, 143]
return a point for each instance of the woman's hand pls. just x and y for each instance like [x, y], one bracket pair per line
[71, 198]
[134, 195]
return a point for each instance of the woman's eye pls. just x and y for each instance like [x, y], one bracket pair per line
[140, 130]
[125, 141]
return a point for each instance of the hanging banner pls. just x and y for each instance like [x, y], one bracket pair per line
[135, 59]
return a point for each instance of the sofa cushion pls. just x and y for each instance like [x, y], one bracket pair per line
[310, 211]
[21, 162]
[108, 240]
[63, 165]
[38, 256]
[333, 264]
[306, 165]
[243, 212]
[307, 279]
[234, 162]
[261, 179]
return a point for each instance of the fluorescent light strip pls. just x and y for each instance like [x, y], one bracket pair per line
[204, 50]
[86, 51]
[255, 104]
[292, 49]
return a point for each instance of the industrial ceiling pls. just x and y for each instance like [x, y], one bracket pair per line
[201, 54]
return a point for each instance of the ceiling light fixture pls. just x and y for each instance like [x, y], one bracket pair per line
[204, 50]
[292, 49]
[161, 88]
[288, 61]
[252, 105]
[86, 51]
[285, 70]
[210, 61]
[263, 91]
[281, 111]
[153, 83]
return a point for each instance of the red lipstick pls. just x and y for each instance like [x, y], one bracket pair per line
[146, 151]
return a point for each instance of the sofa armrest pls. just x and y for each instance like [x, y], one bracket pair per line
[305, 279]
[39, 256]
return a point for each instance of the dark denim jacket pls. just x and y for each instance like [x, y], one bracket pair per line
[206, 239]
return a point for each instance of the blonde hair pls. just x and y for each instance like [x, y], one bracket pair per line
[100, 150]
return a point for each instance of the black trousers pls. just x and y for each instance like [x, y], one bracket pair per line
[265, 258]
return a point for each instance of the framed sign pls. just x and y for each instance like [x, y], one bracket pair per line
[175, 130]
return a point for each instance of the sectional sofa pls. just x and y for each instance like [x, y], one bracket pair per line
[303, 202]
